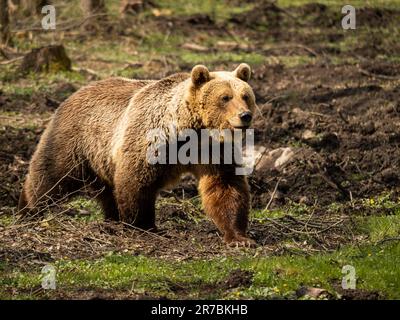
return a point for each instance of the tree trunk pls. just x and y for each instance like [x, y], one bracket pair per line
[45, 59]
[32, 7]
[90, 7]
[5, 37]
[133, 7]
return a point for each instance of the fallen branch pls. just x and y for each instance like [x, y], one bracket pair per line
[376, 75]
[11, 60]
[3, 54]
[85, 70]
[291, 46]
[145, 231]
[387, 240]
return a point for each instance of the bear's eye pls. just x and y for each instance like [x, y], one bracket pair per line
[246, 97]
[226, 98]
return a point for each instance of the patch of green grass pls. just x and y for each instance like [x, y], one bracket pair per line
[366, 35]
[375, 262]
[111, 51]
[322, 270]
[87, 205]
[132, 73]
[159, 45]
[10, 113]
[292, 209]
[23, 91]
[6, 220]
[60, 76]
[383, 201]
[381, 228]
[340, 3]
[193, 58]
[277, 276]
[296, 60]
[34, 82]
[218, 10]
[161, 42]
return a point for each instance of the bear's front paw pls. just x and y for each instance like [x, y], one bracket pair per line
[237, 241]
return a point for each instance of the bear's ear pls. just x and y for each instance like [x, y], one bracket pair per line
[243, 72]
[200, 75]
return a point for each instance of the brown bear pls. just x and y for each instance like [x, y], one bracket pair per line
[96, 140]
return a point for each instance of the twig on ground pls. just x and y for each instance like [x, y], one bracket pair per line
[272, 196]
[311, 51]
[146, 232]
[376, 75]
[387, 240]
[85, 70]
[11, 60]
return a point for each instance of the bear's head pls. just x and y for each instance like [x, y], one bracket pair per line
[222, 100]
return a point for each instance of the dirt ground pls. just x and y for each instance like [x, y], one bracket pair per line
[339, 112]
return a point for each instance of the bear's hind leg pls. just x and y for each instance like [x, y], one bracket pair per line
[40, 193]
[23, 203]
[108, 204]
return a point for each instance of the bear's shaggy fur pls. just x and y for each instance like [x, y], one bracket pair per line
[97, 140]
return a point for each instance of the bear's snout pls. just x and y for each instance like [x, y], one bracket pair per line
[242, 120]
[246, 117]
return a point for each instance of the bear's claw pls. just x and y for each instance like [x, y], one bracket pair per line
[241, 241]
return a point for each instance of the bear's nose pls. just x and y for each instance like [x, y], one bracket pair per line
[246, 117]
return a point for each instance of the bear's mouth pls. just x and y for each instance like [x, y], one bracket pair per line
[241, 127]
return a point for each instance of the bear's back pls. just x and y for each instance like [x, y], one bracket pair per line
[107, 95]
[84, 124]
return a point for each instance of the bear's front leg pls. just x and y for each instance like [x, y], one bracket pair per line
[226, 199]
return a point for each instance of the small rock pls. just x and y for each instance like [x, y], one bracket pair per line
[286, 155]
[328, 141]
[132, 6]
[311, 292]
[275, 159]
[368, 128]
[308, 134]
[303, 200]
[389, 176]
[239, 278]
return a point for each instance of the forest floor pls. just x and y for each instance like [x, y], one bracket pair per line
[330, 95]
